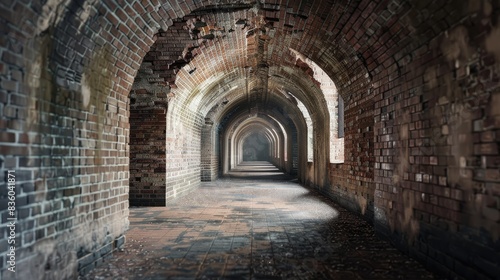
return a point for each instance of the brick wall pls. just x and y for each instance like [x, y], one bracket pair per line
[147, 157]
[435, 177]
[148, 121]
[173, 151]
[183, 146]
[210, 149]
[352, 181]
[421, 90]
[64, 81]
[417, 151]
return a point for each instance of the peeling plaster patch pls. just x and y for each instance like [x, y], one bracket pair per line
[404, 132]
[493, 41]
[85, 91]
[459, 121]
[363, 203]
[455, 45]
[448, 85]
[38, 79]
[430, 77]
[52, 14]
[35, 72]
[445, 130]
[404, 152]
[463, 162]
[54, 259]
[408, 223]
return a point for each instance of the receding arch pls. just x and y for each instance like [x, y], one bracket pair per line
[334, 102]
[256, 146]
[232, 138]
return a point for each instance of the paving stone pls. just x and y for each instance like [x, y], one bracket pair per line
[269, 229]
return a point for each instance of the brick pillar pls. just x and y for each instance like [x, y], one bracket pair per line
[147, 157]
[209, 154]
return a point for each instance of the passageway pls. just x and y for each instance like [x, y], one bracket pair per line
[232, 116]
[257, 223]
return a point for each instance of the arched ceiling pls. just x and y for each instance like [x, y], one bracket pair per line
[249, 52]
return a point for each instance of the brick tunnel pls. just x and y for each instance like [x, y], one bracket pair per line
[112, 111]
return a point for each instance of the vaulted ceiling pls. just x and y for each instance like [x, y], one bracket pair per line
[250, 55]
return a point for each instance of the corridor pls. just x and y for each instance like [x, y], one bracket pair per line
[145, 129]
[257, 223]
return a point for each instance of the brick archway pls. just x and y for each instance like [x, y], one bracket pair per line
[419, 81]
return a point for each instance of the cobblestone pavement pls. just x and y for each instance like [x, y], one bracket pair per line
[250, 227]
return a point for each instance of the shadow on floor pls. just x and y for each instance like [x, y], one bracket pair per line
[257, 170]
[251, 228]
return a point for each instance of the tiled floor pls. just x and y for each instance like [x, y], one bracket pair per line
[257, 224]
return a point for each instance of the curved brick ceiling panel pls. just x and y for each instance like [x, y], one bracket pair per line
[419, 80]
[252, 44]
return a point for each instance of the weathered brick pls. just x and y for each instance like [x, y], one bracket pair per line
[443, 86]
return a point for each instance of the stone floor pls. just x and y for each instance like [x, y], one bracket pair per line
[256, 224]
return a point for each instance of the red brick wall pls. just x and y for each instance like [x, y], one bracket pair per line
[173, 169]
[64, 126]
[210, 150]
[421, 88]
[434, 90]
[183, 148]
[352, 181]
[428, 167]
[147, 157]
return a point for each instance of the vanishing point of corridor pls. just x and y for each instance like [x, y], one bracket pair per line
[255, 224]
